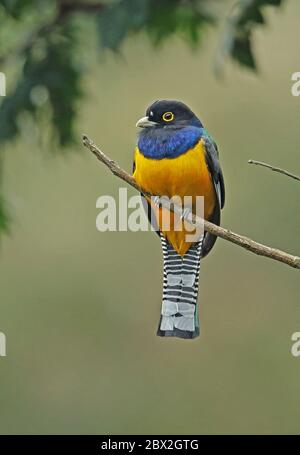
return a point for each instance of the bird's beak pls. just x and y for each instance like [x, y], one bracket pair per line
[144, 122]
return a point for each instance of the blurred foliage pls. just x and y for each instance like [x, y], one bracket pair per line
[50, 53]
[42, 39]
[49, 74]
[159, 19]
[238, 38]
[4, 217]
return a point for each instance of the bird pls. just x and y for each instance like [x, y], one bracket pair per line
[175, 156]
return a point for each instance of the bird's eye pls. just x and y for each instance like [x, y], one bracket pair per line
[168, 116]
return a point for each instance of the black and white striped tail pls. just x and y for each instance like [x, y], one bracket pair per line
[179, 313]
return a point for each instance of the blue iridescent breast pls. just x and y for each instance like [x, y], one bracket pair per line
[159, 143]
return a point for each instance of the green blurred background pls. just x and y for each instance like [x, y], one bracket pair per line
[80, 308]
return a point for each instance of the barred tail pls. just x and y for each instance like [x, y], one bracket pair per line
[179, 313]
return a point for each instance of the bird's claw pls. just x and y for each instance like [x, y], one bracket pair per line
[156, 200]
[185, 214]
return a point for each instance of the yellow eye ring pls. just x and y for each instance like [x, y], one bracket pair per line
[168, 117]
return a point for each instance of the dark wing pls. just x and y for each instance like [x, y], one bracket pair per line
[213, 164]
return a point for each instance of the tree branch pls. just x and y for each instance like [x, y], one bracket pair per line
[275, 169]
[69, 6]
[226, 234]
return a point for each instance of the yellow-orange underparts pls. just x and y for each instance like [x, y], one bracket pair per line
[185, 175]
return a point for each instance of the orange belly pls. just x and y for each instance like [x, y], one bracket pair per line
[186, 175]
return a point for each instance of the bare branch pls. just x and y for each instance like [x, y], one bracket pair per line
[67, 7]
[275, 169]
[226, 234]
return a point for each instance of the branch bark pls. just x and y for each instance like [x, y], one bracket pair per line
[226, 234]
[275, 169]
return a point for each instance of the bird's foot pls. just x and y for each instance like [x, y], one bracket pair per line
[186, 214]
[156, 200]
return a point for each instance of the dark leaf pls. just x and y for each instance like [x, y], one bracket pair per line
[242, 51]
[238, 38]
[161, 19]
[58, 74]
[119, 19]
[4, 216]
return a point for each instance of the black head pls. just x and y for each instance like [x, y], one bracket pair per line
[168, 114]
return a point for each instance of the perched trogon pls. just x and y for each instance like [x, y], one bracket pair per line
[176, 156]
